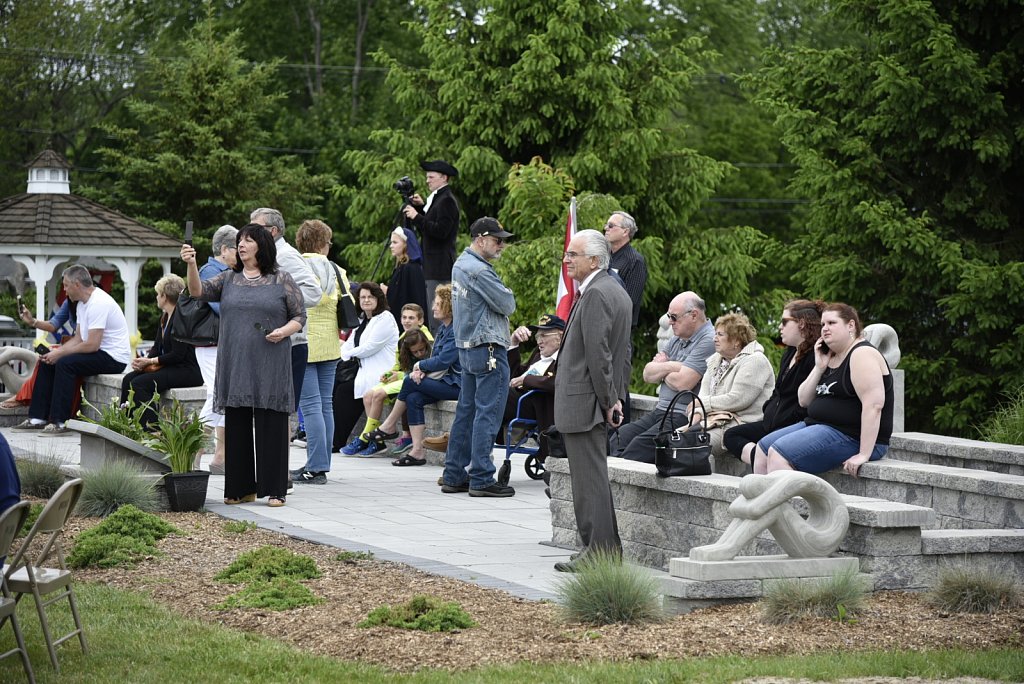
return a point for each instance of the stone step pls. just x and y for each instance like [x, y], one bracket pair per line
[940, 542]
[957, 452]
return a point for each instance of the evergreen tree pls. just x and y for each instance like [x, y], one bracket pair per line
[194, 148]
[911, 145]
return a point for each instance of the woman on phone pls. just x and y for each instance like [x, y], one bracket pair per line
[849, 402]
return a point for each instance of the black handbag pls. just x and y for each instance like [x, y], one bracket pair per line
[681, 452]
[348, 316]
[195, 322]
[347, 371]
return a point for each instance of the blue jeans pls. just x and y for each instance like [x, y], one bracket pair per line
[55, 384]
[428, 391]
[477, 417]
[815, 448]
[317, 404]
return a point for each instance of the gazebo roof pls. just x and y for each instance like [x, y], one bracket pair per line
[48, 159]
[66, 219]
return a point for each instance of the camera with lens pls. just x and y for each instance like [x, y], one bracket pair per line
[404, 188]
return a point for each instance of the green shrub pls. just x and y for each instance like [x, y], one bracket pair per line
[33, 514]
[124, 538]
[282, 593]
[838, 597]
[239, 526]
[268, 563]
[1006, 426]
[604, 590]
[124, 420]
[115, 485]
[962, 590]
[40, 477]
[422, 612]
[352, 557]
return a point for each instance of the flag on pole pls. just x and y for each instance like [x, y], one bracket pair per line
[566, 285]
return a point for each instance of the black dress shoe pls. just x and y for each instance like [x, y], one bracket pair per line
[565, 566]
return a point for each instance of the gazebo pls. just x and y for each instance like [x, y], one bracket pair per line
[48, 227]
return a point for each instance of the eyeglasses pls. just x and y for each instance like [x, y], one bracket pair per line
[497, 239]
[263, 329]
[573, 255]
[675, 317]
[613, 225]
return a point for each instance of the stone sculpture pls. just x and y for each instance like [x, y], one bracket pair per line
[883, 338]
[10, 377]
[764, 504]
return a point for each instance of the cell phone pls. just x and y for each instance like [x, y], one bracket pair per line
[188, 233]
[42, 349]
[616, 416]
[823, 348]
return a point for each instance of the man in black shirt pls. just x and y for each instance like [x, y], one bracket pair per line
[437, 222]
[628, 263]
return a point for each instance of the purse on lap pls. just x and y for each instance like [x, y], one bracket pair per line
[685, 450]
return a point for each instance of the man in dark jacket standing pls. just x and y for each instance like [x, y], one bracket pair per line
[437, 222]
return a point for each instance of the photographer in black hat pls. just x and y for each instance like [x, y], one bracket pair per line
[437, 222]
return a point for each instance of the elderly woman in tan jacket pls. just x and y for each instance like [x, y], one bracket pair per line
[738, 380]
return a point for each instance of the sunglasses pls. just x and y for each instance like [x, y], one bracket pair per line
[675, 317]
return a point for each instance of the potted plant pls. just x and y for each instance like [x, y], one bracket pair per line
[180, 435]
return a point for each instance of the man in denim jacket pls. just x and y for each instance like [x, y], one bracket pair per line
[481, 305]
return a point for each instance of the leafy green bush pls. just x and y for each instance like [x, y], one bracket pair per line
[1006, 426]
[112, 486]
[124, 538]
[40, 477]
[281, 593]
[604, 590]
[124, 420]
[838, 597]
[268, 563]
[422, 612]
[963, 590]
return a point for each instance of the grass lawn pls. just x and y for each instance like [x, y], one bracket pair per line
[132, 639]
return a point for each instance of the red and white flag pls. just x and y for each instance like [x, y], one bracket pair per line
[566, 285]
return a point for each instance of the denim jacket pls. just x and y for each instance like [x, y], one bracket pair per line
[445, 357]
[481, 304]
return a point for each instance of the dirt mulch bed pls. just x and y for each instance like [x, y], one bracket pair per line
[510, 629]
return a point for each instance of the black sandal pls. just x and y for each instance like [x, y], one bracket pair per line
[379, 435]
[409, 461]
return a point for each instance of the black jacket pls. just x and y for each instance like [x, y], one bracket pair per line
[437, 231]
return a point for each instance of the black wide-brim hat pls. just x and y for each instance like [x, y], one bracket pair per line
[440, 166]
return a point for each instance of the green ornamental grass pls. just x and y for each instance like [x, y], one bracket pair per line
[40, 477]
[604, 590]
[972, 590]
[1006, 426]
[112, 486]
[839, 597]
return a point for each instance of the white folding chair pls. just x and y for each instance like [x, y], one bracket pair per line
[11, 521]
[46, 572]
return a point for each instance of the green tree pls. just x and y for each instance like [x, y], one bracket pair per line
[911, 144]
[195, 146]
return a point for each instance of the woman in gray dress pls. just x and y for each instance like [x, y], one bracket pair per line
[261, 307]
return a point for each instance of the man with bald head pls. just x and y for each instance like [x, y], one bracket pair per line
[680, 367]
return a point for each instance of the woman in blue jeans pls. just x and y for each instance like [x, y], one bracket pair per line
[316, 399]
[849, 402]
[430, 381]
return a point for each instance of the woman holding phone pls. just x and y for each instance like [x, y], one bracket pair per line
[849, 400]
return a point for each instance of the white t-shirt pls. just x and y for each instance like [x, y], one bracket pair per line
[101, 311]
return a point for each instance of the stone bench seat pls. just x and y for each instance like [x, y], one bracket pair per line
[957, 452]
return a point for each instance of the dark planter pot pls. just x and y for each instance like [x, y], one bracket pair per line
[186, 491]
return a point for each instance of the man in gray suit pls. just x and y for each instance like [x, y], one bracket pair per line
[593, 373]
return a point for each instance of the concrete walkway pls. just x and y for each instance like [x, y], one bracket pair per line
[398, 514]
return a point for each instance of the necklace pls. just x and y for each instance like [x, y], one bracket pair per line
[249, 277]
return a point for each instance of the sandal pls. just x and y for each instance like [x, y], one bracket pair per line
[11, 403]
[379, 435]
[275, 501]
[248, 498]
[408, 460]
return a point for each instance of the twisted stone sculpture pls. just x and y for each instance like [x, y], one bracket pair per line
[8, 356]
[883, 338]
[764, 504]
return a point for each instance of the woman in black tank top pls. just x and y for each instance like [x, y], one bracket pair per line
[849, 401]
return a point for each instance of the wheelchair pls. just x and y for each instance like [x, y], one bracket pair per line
[527, 430]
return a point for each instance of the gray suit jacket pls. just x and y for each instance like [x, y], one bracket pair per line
[593, 364]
